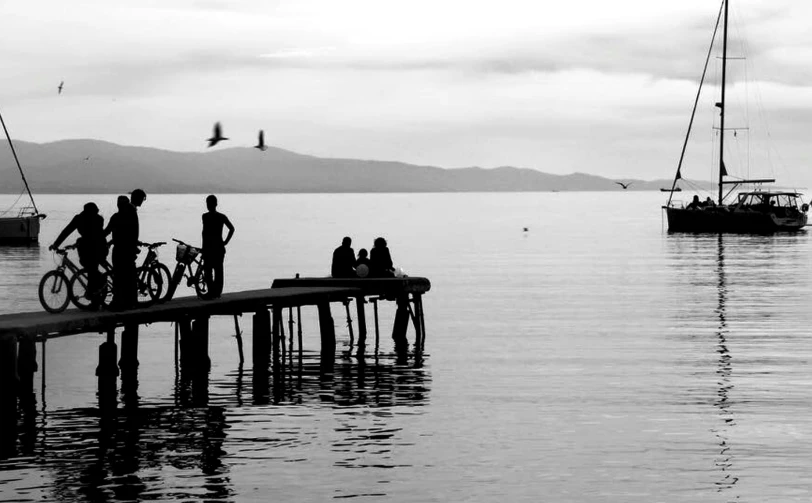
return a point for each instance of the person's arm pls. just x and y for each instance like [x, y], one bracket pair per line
[72, 226]
[230, 226]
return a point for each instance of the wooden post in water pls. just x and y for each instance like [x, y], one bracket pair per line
[277, 335]
[8, 386]
[327, 329]
[261, 340]
[107, 371]
[187, 350]
[129, 353]
[26, 368]
[401, 325]
[200, 330]
[362, 325]
[377, 329]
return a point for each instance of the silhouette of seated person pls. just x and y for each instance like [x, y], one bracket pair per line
[362, 265]
[91, 245]
[380, 260]
[695, 204]
[709, 203]
[343, 265]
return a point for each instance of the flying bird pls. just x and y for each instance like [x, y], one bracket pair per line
[59, 89]
[624, 185]
[217, 136]
[261, 142]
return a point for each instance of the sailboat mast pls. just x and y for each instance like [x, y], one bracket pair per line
[14, 152]
[722, 107]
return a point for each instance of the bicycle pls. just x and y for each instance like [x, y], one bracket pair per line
[190, 265]
[54, 287]
[161, 271]
[148, 282]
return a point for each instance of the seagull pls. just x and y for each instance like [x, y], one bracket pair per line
[217, 136]
[87, 158]
[261, 142]
[526, 229]
[59, 89]
[624, 185]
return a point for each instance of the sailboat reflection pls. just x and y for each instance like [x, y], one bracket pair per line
[724, 369]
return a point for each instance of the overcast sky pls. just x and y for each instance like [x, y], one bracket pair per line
[593, 86]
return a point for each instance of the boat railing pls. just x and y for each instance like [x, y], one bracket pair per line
[27, 211]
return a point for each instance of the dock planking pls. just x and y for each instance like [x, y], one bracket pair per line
[74, 321]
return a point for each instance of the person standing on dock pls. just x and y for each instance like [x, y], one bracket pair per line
[124, 227]
[380, 260]
[343, 265]
[91, 245]
[214, 246]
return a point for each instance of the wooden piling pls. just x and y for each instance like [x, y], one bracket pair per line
[107, 370]
[377, 328]
[8, 382]
[187, 349]
[327, 329]
[261, 350]
[401, 325]
[276, 338]
[362, 324]
[129, 351]
[26, 368]
[200, 330]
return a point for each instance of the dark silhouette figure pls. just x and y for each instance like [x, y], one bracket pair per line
[362, 265]
[380, 260]
[695, 204]
[124, 227]
[217, 136]
[91, 245]
[624, 185]
[343, 260]
[59, 89]
[261, 142]
[214, 246]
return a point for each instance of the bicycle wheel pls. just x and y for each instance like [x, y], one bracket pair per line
[106, 291]
[79, 294]
[146, 286]
[54, 291]
[163, 277]
[201, 286]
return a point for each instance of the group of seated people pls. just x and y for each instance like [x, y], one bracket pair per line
[696, 204]
[377, 265]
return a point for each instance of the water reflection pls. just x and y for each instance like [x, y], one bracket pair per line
[183, 447]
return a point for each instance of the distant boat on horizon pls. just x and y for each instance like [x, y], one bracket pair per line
[757, 211]
[675, 189]
[22, 228]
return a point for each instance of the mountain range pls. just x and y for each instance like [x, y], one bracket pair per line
[94, 166]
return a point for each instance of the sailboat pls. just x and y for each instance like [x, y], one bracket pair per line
[22, 228]
[754, 211]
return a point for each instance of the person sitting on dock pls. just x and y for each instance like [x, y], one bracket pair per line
[695, 204]
[343, 265]
[380, 260]
[214, 246]
[362, 265]
[91, 245]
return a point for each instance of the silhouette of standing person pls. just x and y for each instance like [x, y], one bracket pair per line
[343, 265]
[380, 260]
[214, 246]
[124, 227]
[91, 246]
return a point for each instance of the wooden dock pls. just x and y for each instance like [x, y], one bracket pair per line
[20, 332]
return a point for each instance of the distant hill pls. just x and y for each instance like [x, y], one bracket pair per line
[92, 166]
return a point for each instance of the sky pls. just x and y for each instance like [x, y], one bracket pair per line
[592, 86]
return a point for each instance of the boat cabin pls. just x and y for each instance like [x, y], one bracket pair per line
[766, 199]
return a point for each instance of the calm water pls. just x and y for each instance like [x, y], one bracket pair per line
[593, 358]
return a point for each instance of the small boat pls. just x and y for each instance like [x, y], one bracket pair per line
[755, 211]
[666, 189]
[23, 227]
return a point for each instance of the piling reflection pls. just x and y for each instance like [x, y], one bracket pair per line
[182, 447]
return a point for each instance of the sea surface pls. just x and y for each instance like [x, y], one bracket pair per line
[591, 358]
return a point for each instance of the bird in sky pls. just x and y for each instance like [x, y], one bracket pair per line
[624, 185]
[87, 158]
[217, 136]
[261, 142]
[59, 89]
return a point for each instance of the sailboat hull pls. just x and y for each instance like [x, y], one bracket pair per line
[19, 230]
[725, 219]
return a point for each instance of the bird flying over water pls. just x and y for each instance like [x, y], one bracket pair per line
[261, 141]
[217, 135]
[59, 89]
[624, 185]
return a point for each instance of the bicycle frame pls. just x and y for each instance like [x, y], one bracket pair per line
[191, 271]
